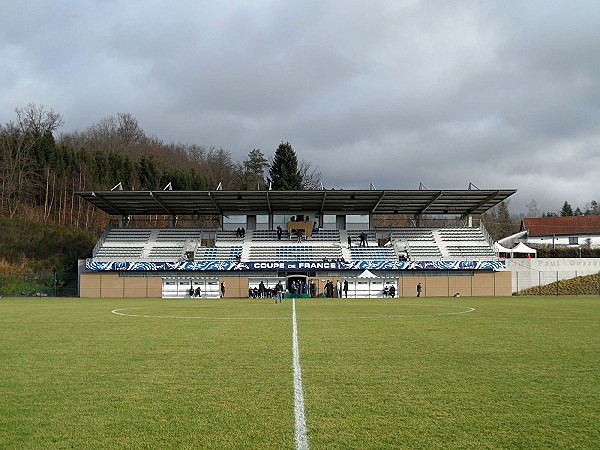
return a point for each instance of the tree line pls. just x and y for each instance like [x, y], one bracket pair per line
[500, 222]
[41, 169]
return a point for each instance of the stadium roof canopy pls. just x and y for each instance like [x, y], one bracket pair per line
[412, 202]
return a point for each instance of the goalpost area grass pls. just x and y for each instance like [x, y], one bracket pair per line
[520, 372]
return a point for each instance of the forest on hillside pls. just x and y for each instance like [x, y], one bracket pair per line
[42, 168]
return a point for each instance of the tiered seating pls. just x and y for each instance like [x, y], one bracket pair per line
[319, 236]
[268, 235]
[118, 235]
[424, 252]
[178, 235]
[119, 252]
[173, 252]
[413, 234]
[466, 243]
[262, 253]
[228, 235]
[466, 251]
[170, 245]
[302, 251]
[372, 253]
[326, 236]
[461, 234]
[355, 235]
[218, 253]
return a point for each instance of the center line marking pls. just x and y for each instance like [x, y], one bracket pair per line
[301, 433]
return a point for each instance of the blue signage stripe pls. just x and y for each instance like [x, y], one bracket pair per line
[97, 266]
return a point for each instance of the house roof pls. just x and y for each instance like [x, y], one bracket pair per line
[458, 202]
[548, 226]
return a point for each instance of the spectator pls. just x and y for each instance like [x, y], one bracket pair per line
[278, 292]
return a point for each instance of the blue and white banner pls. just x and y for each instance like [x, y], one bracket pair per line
[95, 266]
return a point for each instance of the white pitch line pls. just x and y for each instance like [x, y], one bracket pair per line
[120, 312]
[301, 432]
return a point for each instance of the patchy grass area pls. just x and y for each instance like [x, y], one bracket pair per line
[582, 285]
[378, 373]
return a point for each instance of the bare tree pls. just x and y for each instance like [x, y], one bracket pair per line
[36, 120]
[15, 167]
[311, 177]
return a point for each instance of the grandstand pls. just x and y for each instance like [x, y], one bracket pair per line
[172, 245]
[167, 261]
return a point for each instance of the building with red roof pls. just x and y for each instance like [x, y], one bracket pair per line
[563, 231]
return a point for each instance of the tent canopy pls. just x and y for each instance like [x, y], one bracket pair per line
[501, 249]
[367, 274]
[522, 248]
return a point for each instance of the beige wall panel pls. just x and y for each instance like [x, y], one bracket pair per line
[235, 287]
[89, 285]
[483, 284]
[408, 286]
[503, 283]
[112, 285]
[135, 287]
[435, 287]
[462, 285]
[95, 285]
[154, 287]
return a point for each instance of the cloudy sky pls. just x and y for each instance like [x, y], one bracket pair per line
[501, 94]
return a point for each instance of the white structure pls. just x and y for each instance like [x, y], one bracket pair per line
[369, 285]
[532, 272]
[559, 231]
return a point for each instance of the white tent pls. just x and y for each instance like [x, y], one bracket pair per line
[523, 249]
[367, 274]
[369, 285]
[502, 249]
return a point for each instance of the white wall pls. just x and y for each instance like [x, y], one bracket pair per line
[562, 240]
[529, 272]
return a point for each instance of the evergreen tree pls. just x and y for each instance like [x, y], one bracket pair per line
[254, 169]
[284, 173]
[505, 225]
[566, 210]
[148, 173]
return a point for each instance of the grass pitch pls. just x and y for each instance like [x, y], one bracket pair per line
[376, 373]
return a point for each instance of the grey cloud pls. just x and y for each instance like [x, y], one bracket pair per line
[498, 93]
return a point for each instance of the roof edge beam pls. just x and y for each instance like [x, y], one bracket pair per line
[487, 199]
[214, 202]
[269, 203]
[108, 203]
[161, 204]
[378, 202]
[323, 203]
[431, 202]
